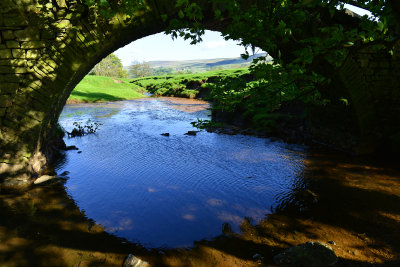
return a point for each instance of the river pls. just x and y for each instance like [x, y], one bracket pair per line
[203, 200]
[169, 191]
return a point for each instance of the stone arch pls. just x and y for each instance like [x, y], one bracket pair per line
[46, 48]
[45, 51]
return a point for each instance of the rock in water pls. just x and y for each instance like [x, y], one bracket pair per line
[44, 179]
[192, 133]
[132, 261]
[311, 254]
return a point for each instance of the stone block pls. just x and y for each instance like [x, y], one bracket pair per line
[2, 112]
[5, 53]
[18, 53]
[9, 78]
[4, 101]
[8, 35]
[12, 62]
[47, 34]
[15, 20]
[8, 88]
[63, 24]
[33, 44]
[28, 34]
[8, 70]
[61, 3]
[32, 54]
[12, 44]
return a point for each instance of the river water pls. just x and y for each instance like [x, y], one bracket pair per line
[167, 192]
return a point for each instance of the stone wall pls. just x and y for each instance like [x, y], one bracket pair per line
[371, 77]
[45, 50]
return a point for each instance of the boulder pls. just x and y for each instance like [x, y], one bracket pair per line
[310, 254]
[192, 133]
[44, 179]
[133, 261]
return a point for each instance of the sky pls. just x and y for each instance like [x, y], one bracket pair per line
[161, 47]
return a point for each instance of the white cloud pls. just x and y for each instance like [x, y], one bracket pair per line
[215, 44]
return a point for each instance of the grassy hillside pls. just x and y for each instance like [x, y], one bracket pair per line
[200, 65]
[184, 85]
[104, 89]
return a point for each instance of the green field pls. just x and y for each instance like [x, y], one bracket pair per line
[184, 85]
[104, 89]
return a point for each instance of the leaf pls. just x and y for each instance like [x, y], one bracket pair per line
[164, 17]
[245, 56]
[181, 14]
[217, 14]
[345, 101]
[348, 44]
[380, 26]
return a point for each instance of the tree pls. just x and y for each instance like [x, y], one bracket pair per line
[110, 66]
[308, 39]
[137, 69]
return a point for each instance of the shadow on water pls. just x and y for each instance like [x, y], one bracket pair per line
[43, 227]
[353, 204]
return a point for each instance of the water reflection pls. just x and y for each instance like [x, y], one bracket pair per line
[170, 191]
[262, 196]
[354, 203]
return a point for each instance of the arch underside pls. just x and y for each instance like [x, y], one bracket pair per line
[46, 51]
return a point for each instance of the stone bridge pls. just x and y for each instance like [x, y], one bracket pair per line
[47, 47]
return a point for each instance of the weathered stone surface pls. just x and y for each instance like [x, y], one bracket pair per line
[311, 254]
[18, 53]
[47, 53]
[133, 261]
[19, 182]
[5, 53]
[45, 179]
[32, 54]
[12, 44]
[33, 44]
[8, 88]
[28, 34]
[8, 35]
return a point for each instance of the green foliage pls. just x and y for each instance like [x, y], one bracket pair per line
[80, 129]
[59, 131]
[206, 124]
[137, 70]
[301, 36]
[110, 66]
[102, 89]
[184, 85]
[309, 41]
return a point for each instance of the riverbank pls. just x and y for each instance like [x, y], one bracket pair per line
[104, 89]
[194, 85]
[358, 215]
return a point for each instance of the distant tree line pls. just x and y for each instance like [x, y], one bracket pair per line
[110, 66]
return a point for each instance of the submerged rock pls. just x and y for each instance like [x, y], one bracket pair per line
[311, 254]
[192, 133]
